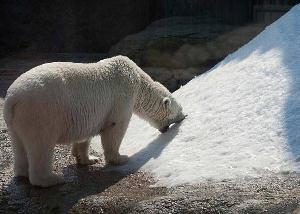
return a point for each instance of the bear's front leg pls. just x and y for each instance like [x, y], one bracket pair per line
[80, 151]
[111, 138]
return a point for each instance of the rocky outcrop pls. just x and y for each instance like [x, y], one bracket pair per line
[172, 78]
[162, 43]
[174, 50]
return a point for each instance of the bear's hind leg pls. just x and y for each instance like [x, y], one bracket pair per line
[111, 139]
[80, 151]
[40, 164]
[20, 156]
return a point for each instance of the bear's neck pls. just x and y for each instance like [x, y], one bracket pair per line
[147, 102]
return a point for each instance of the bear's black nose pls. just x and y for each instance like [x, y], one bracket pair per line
[164, 129]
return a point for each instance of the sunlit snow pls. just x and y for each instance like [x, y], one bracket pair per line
[243, 116]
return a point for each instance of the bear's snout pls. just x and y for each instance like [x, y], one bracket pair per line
[180, 117]
[164, 129]
[178, 120]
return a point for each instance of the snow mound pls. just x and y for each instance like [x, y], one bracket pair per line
[243, 116]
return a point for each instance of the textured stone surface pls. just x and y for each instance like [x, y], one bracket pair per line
[172, 78]
[189, 44]
[181, 42]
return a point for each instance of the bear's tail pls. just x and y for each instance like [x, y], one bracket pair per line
[8, 110]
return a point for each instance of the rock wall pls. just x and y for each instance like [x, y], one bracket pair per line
[174, 50]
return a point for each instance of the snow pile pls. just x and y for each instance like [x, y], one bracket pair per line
[243, 116]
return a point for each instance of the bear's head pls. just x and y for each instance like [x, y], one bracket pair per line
[156, 105]
[166, 109]
[172, 114]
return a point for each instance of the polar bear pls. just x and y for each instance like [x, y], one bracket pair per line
[68, 103]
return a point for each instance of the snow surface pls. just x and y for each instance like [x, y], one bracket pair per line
[243, 116]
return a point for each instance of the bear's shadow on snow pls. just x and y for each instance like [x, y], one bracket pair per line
[81, 181]
[152, 150]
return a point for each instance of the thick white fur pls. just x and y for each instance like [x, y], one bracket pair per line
[64, 103]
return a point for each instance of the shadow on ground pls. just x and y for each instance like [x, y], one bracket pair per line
[18, 195]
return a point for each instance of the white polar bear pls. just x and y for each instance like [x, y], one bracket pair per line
[64, 103]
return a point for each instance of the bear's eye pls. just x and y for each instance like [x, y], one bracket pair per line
[167, 102]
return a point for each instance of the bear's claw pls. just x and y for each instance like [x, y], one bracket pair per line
[90, 160]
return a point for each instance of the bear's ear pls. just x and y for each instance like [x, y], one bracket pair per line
[167, 101]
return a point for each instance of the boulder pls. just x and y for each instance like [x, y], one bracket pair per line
[173, 50]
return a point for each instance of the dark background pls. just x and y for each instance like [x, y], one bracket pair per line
[95, 25]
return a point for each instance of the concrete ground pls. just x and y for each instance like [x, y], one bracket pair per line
[93, 189]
